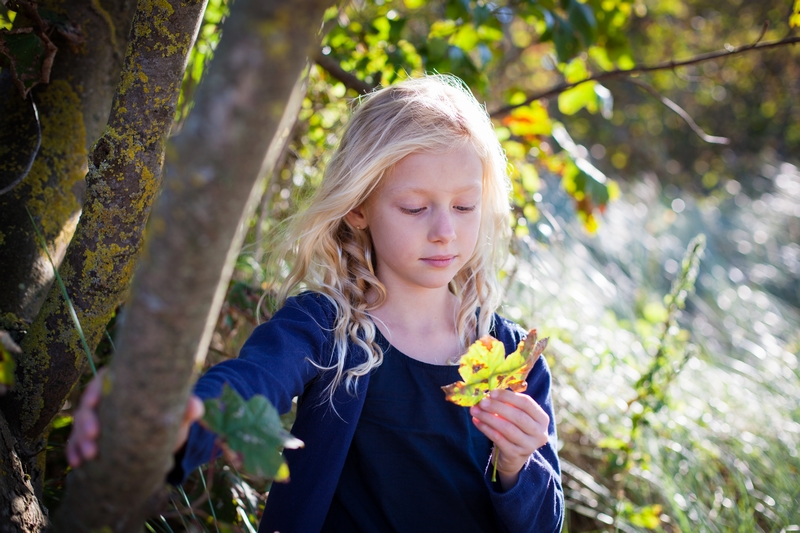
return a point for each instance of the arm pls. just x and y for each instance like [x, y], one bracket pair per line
[276, 362]
[528, 497]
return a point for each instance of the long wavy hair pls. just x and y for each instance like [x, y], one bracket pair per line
[432, 114]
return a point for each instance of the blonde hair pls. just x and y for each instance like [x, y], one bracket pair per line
[432, 114]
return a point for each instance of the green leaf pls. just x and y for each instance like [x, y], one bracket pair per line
[465, 38]
[794, 20]
[457, 9]
[251, 430]
[481, 14]
[582, 19]
[442, 28]
[576, 70]
[573, 100]
[567, 45]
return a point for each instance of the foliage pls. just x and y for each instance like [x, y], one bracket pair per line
[202, 52]
[381, 42]
[251, 432]
[486, 367]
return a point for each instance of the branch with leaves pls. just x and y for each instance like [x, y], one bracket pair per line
[641, 69]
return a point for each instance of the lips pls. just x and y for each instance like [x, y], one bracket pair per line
[439, 261]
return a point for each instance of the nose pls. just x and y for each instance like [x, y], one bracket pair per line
[443, 228]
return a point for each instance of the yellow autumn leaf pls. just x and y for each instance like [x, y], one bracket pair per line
[485, 367]
[794, 19]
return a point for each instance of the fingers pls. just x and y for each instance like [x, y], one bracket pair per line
[516, 416]
[195, 409]
[515, 423]
[82, 443]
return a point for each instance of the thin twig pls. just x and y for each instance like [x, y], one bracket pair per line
[666, 65]
[335, 69]
[680, 112]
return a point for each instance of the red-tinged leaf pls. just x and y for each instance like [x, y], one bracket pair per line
[485, 367]
[30, 57]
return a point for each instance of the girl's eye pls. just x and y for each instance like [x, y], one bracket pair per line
[412, 211]
[464, 208]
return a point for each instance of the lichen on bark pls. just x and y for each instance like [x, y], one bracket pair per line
[52, 193]
[122, 181]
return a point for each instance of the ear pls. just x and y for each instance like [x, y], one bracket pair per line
[357, 218]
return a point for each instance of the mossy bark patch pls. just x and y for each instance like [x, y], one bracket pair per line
[52, 192]
[122, 182]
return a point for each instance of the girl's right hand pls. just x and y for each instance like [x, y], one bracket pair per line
[82, 442]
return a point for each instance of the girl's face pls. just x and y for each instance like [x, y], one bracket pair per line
[424, 218]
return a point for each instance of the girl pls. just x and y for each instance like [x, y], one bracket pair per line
[396, 258]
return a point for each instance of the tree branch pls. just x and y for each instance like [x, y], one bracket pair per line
[666, 65]
[680, 112]
[335, 69]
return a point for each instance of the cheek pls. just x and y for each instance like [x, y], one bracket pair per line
[473, 230]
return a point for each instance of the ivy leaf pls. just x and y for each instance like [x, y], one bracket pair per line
[485, 367]
[250, 432]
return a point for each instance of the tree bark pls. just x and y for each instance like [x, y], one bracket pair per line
[123, 180]
[244, 109]
[73, 109]
[20, 508]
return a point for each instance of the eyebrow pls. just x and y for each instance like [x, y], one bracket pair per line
[417, 190]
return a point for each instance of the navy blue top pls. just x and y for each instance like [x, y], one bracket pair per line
[278, 360]
[417, 461]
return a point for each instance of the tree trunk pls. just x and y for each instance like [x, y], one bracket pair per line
[244, 109]
[20, 508]
[123, 180]
[73, 109]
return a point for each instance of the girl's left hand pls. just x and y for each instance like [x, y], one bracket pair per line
[518, 427]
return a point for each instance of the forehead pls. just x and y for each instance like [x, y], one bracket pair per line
[458, 170]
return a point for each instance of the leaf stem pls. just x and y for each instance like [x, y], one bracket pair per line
[494, 465]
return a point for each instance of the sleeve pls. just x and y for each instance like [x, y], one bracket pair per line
[536, 502]
[277, 361]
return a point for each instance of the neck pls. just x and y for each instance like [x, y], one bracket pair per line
[419, 311]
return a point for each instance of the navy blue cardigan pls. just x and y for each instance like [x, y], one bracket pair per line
[276, 362]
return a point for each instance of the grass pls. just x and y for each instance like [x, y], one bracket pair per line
[720, 451]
